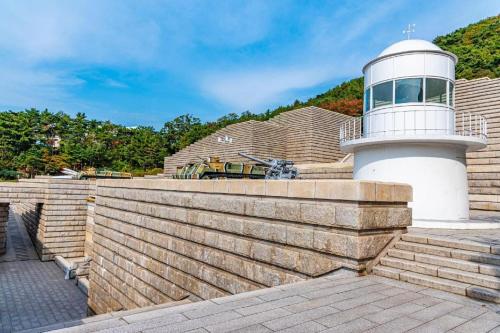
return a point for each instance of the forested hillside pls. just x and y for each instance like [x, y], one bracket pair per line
[39, 142]
[477, 47]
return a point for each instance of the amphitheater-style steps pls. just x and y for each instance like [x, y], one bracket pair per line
[480, 96]
[461, 267]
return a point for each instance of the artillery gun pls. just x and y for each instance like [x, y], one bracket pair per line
[276, 169]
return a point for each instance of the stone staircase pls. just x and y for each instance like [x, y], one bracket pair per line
[461, 267]
[480, 96]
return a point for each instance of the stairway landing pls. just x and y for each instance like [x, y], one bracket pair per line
[464, 262]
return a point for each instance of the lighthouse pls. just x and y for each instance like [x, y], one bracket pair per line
[410, 132]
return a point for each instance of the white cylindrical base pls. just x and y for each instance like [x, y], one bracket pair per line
[437, 173]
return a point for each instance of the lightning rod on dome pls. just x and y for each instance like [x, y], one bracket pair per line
[409, 30]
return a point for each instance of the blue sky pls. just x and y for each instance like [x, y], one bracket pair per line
[146, 62]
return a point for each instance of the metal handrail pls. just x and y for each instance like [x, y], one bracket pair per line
[462, 123]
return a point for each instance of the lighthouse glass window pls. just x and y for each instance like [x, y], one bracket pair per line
[451, 93]
[435, 91]
[367, 99]
[409, 91]
[382, 94]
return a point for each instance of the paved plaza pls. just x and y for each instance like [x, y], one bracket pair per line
[33, 293]
[328, 304]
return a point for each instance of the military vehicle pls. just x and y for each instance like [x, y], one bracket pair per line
[93, 173]
[213, 168]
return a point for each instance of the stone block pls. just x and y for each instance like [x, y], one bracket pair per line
[207, 186]
[301, 237]
[301, 189]
[403, 193]
[276, 188]
[263, 208]
[255, 187]
[220, 186]
[236, 186]
[287, 210]
[316, 213]
[366, 246]
[330, 243]
[492, 270]
[401, 254]
[485, 294]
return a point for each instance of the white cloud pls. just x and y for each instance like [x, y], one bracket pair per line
[253, 89]
[115, 83]
[243, 54]
[22, 86]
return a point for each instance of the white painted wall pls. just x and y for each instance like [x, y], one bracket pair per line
[436, 172]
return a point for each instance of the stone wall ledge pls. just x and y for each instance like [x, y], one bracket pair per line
[324, 189]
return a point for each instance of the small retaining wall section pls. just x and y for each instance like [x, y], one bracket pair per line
[338, 170]
[4, 216]
[158, 241]
[54, 212]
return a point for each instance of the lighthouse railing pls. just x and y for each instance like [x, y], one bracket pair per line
[414, 123]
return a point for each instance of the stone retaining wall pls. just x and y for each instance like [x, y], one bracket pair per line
[89, 228]
[159, 241]
[54, 212]
[4, 216]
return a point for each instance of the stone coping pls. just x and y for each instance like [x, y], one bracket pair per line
[325, 189]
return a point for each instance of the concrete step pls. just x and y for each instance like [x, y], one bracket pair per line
[441, 251]
[83, 285]
[435, 282]
[447, 242]
[458, 275]
[436, 260]
[409, 265]
[388, 272]
[492, 270]
[483, 258]
[477, 279]
[423, 248]
[447, 262]
[460, 288]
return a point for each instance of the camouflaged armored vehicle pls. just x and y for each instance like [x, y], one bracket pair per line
[213, 168]
[93, 173]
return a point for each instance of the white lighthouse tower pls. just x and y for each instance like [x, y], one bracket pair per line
[410, 132]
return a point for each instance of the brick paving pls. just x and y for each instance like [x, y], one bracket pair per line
[34, 293]
[328, 304]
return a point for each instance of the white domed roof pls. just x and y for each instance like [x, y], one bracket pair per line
[409, 45]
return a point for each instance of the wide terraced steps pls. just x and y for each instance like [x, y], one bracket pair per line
[462, 267]
[481, 97]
